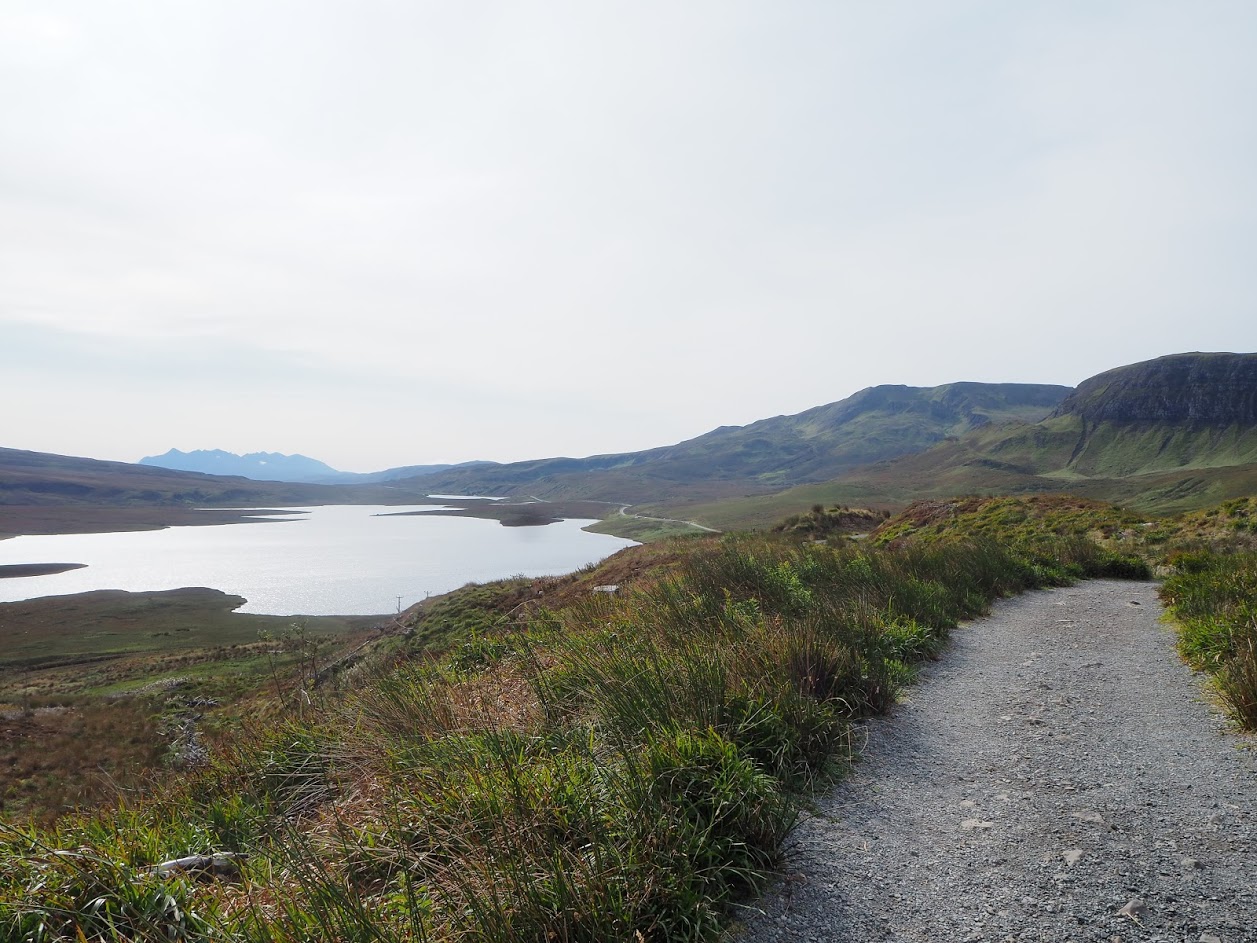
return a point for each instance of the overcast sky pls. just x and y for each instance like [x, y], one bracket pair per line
[385, 233]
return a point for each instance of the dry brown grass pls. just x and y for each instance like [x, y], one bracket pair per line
[57, 759]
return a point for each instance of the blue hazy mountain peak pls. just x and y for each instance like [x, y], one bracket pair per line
[260, 466]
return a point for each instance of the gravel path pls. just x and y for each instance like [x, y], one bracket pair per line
[1057, 764]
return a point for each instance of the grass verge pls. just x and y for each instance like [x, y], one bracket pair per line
[1213, 598]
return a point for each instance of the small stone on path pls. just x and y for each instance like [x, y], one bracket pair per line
[1134, 909]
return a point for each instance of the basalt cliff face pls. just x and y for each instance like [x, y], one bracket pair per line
[1218, 389]
[1165, 435]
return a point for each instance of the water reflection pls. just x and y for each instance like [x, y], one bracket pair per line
[339, 560]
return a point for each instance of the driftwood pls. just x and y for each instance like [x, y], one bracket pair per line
[220, 864]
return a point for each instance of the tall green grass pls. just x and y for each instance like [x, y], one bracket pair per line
[623, 767]
[1213, 598]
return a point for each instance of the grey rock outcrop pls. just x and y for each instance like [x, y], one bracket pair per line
[1205, 388]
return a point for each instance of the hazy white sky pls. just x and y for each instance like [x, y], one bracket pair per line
[384, 233]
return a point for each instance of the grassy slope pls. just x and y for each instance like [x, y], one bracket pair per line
[1113, 450]
[644, 529]
[1156, 468]
[586, 766]
[873, 425]
[764, 456]
[63, 630]
[1017, 521]
[74, 665]
[96, 689]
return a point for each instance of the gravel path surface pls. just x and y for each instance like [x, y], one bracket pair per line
[1058, 765]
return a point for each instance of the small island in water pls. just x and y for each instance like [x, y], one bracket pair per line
[15, 570]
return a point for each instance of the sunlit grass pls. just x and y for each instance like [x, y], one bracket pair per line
[1213, 598]
[594, 768]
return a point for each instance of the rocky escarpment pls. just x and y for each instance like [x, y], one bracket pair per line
[1202, 388]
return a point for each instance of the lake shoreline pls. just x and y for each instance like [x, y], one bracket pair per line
[337, 559]
[14, 571]
[526, 513]
[50, 521]
[45, 521]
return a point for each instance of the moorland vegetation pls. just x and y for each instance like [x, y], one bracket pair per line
[534, 759]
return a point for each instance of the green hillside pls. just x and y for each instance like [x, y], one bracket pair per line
[876, 424]
[1168, 435]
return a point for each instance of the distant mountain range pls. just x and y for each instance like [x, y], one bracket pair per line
[276, 466]
[875, 424]
[260, 466]
[40, 479]
[1164, 435]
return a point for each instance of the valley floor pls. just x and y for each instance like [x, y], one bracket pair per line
[1056, 766]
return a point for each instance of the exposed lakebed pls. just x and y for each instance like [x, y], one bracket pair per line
[343, 560]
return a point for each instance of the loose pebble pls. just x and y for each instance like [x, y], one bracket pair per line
[1134, 909]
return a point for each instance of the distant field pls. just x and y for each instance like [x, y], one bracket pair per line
[517, 512]
[97, 690]
[643, 529]
[71, 644]
[895, 485]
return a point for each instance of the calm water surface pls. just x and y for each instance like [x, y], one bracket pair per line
[340, 560]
